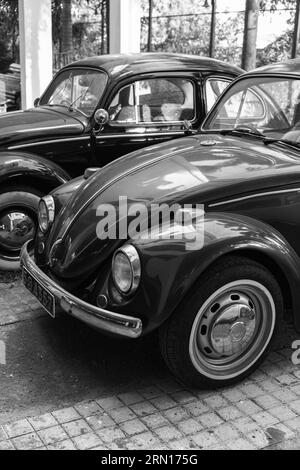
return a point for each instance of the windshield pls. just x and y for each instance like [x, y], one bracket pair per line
[76, 89]
[266, 106]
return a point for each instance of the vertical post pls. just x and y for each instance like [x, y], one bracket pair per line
[250, 35]
[296, 34]
[124, 26]
[35, 20]
[212, 42]
[150, 25]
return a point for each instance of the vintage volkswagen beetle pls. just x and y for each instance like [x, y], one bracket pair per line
[215, 304]
[145, 99]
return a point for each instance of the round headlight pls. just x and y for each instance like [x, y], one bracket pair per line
[126, 269]
[46, 212]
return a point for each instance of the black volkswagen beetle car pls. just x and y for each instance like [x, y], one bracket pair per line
[94, 111]
[215, 300]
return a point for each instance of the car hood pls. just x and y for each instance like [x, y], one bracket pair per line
[36, 123]
[196, 169]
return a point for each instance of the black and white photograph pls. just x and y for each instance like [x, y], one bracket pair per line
[149, 228]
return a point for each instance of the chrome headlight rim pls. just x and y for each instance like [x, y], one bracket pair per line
[131, 253]
[49, 204]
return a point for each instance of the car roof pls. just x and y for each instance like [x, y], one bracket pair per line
[120, 65]
[291, 66]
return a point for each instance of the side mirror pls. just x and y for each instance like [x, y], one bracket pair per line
[36, 102]
[101, 117]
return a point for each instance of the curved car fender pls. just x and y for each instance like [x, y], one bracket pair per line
[16, 164]
[169, 269]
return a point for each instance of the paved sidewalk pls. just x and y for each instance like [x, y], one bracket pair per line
[263, 412]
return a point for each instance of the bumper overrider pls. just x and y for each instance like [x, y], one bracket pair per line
[96, 317]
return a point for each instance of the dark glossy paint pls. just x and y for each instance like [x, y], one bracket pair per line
[66, 138]
[234, 177]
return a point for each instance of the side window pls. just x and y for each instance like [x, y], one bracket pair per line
[154, 100]
[214, 87]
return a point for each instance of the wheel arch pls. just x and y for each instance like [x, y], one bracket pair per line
[25, 169]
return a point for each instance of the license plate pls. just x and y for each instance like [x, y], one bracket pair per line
[45, 298]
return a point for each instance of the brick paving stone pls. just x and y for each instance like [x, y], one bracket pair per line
[18, 428]
[86, 409]
[42, 421]
[6, 445]
[295, 389]
[163, 402]
[63, 445]
[131, 398]
[150, 392]
[133, 427]
[209, 420]
[182, 444]
[226, 432]
[293, 423]
[52, 435]
[183, 397]
[278, 433]
[66, 414]
[270, 385]
[216, 401]
[258, 438]
[27, 442]
[204, 439]
[189, 426]
[168, 433]
[286, 379]
[248, 407]
[145, 441]
[109, 403]
[109, 435]
[99, 421]
[154, 420]
[283, 413]
[76, 428]
[175, 415]
[170, 386]
[144, 408]
[245, 424]
[120, 415]
[240, 444]
[285, 395]
[196, 408]
[295, 406]
[87, 441]
[233, 395]
[267, 401]
[3, 434]
[265, 419]
[230, 412]
[251, 390]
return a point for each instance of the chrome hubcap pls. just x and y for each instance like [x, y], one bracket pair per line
[16, 228]
[232, 329]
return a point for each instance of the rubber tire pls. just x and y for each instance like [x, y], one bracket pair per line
[174, 334]
[21, 196]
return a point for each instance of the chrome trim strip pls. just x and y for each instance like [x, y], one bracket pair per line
[114, 180]
[45, 142]
[139, 135]
[251, 196]
[96, 317]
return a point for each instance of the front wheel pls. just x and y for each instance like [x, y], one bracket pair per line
[18, 223]
[220, 333]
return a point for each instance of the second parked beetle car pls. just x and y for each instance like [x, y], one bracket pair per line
[215, 277]
[94, 111]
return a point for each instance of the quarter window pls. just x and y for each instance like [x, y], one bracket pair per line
[154, 100]
[214, 87]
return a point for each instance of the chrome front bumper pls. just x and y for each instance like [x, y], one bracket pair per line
[96, 317]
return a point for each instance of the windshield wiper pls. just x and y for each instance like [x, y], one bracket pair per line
[242, 130]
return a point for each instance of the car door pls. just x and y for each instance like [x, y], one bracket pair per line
[148, 110]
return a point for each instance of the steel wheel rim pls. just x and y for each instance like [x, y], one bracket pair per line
[16, 227]
[232, 329]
